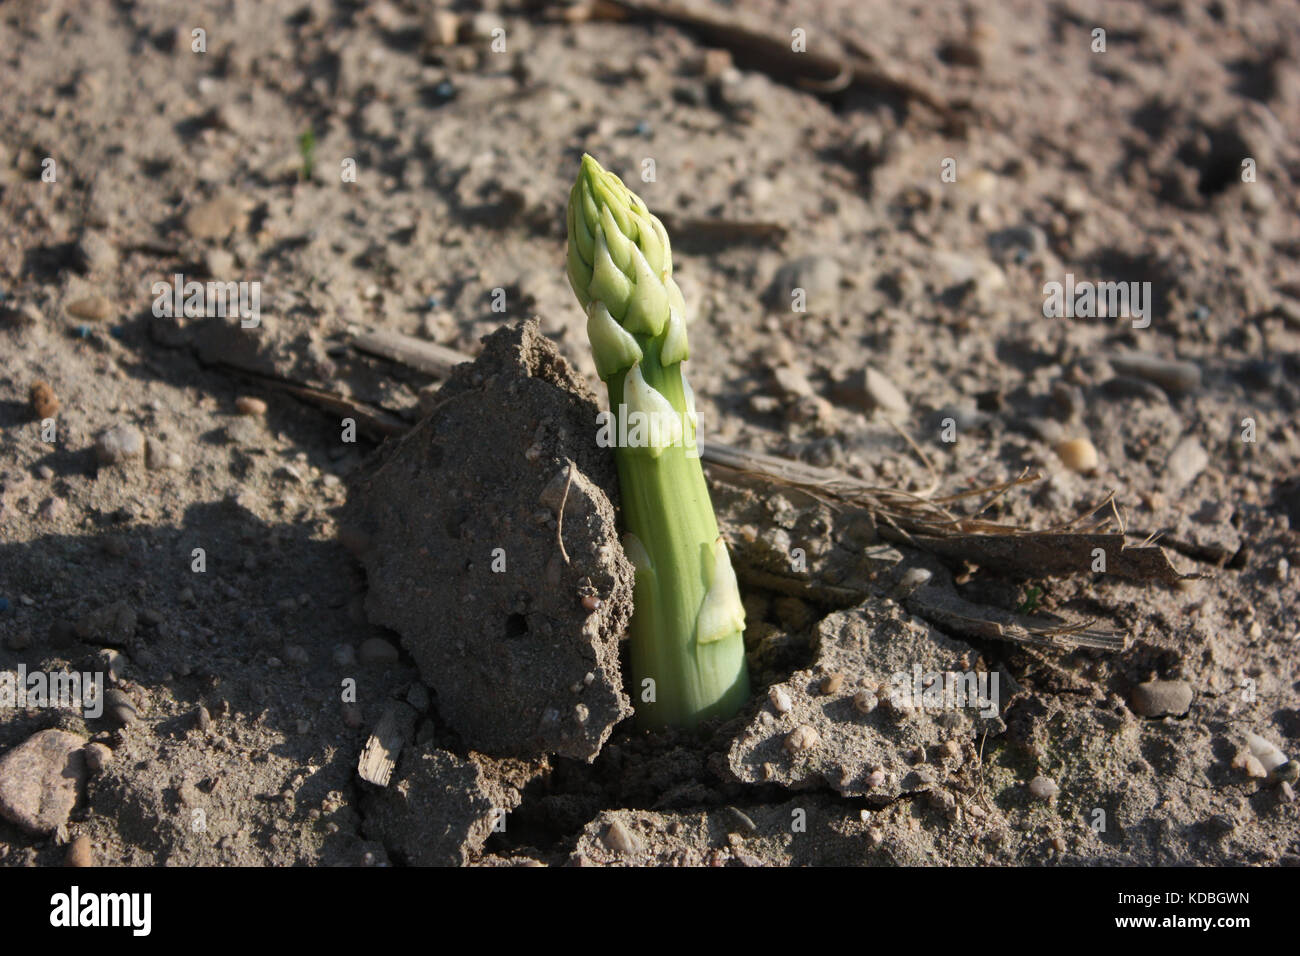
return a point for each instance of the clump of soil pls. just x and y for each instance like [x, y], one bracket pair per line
[489, 543]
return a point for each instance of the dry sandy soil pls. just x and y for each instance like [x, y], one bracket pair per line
[922, 229]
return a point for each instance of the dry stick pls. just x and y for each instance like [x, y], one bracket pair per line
[428, 357]
[903, 513]
[816, 72]
[559, 521]
[376, 422]
[717, 229]
[903, 510]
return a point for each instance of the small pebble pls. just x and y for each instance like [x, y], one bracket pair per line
[98, 756]
[376, 650]
[791, 382]
[1184, 464]
[119, 444]
[80, 853]
[1078, 454]
[119, 708]
[216, 218]
[741, 821]
[158, 458]
[97, 253]
[875, 779]
[832, 683]
[1027, 238]
[780, 700]
[941, 799]
[864, 702]
[881, 392]
[443, 27]
[914, 578]
[1173, 376]
[93, 308]
[202, 719]
[620, 839]
[247, 405]
[1043, 788]
[1160, 697]
[114, 662]
[802, 738]
[44, 402]
[818, 277]
[218, 263]
[1252, 767]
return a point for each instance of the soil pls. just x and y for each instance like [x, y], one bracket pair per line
[190, 531]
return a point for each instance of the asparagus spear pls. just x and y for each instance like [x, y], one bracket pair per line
[687, 646]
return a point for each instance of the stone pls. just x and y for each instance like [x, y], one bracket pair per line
[217, 218]
[1173, 376]
[1043, 788]
[96, 253]
[98, 756]
[40, 780]
[93, 308]
[621, 839]
[818, 277]
[376, 650]
[1078, 454]
[119, 444]
[880, 392]
[1184, 464]
[81, 853]
[1160, 698]
[119, 709]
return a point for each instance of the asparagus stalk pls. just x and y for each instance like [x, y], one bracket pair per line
[687, 645]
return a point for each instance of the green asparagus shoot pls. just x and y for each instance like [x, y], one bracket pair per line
[687, 645]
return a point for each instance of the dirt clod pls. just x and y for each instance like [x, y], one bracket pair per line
[481, 591]
[439, 809]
